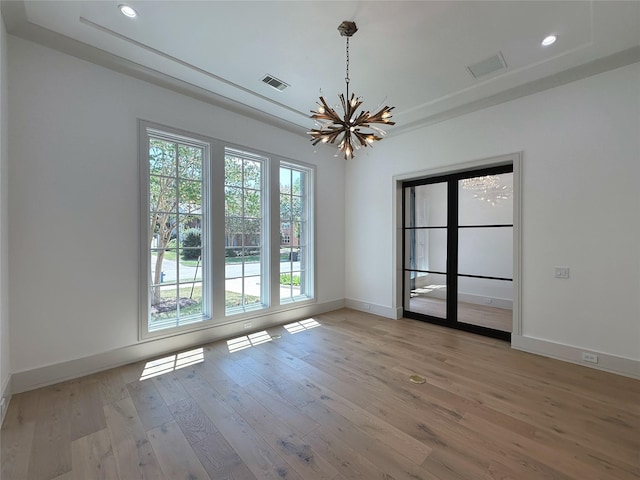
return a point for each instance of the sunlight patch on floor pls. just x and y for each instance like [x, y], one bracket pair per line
[172, 362]
[302, 325]
[246, 341]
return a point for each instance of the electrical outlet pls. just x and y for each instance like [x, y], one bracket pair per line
[562, 272]
[246, 325]
[2, 406]
[488, 301]
[589, 357]
[365, 306]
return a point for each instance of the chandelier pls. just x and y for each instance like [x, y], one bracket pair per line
[487, 188]
[351, 130]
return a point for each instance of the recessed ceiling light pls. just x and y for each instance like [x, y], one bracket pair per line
[550, 40]
[127, 11]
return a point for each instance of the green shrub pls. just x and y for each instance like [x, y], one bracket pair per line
[285, 279]
[191, 238]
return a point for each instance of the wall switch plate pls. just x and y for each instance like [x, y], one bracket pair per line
[589, 357]
[562, 272]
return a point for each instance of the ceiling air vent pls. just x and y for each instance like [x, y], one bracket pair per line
[275, 83]
[488, 66]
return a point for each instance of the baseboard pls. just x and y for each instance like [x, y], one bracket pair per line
[51, 374]
[607, 362]
[388, 312]
[6, 394]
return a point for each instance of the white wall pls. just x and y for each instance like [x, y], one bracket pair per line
[74, 196]
[581, 197]
[4, 230]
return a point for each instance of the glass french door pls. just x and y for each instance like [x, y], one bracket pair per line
[458, 250]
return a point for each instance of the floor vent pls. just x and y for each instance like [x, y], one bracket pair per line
[275, 83]
[488, 66]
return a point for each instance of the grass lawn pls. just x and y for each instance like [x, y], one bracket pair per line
[232, 299]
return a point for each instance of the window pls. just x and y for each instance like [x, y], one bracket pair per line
[175, 173]
[244, 231]
[225, 232]
[295, 234]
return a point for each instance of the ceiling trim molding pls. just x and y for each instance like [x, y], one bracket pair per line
[601, 65]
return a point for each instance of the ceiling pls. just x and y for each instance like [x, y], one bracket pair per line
[409, 54]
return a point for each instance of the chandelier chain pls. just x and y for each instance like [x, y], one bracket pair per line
[347, 77]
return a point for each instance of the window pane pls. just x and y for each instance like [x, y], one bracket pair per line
[251, 174]
[162, 157]
[285, 207]
[233, 201]
[426, 205]
[233, 171]
[252, 204]
[191, 265]
[487, 303]
[486, 252]
[428, 293]
[190, 302]
[243, 232]
[190, 196]
[162, 194]
[426, 249]
[190, 162]
[486, 200]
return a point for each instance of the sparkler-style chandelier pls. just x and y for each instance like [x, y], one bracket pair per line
[353, 131]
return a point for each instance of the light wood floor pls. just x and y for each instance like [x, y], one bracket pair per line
[471, 313]
[334, 402]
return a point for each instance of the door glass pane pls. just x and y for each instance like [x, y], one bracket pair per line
[426, 205]
[486, 251]
[426, 249]
[427, 293]
[487, 303]
[486, 200]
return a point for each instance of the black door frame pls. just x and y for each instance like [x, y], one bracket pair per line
[452, 250]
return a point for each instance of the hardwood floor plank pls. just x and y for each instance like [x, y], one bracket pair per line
[92, 458]
[345, 459]
[87, 416]
[51, 447]
[133, 453]
[16, 444]
[151, 408]
[16, 435]
[176, 457]
[193, 422]
[112, 386]
[220, 460]
[169, 388]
